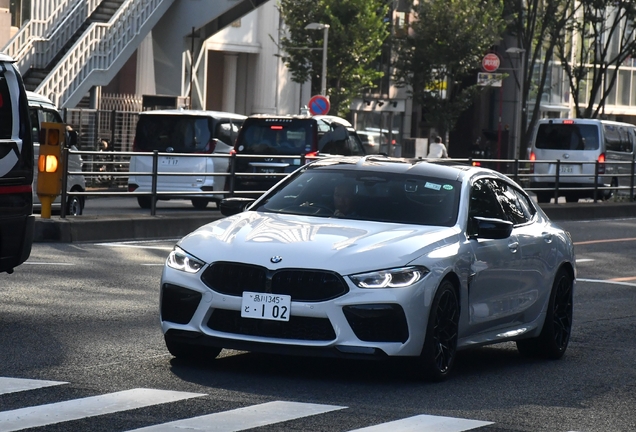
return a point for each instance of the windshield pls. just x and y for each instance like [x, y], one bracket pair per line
[559, 136]
[373, 196]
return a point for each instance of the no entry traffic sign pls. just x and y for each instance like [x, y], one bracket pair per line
[319, 105]
[490, 62]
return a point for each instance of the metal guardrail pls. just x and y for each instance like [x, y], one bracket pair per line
[517, 169]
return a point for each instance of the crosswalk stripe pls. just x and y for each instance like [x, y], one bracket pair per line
[14, 385]
[428, 423]
[244, 418]
[43, 415]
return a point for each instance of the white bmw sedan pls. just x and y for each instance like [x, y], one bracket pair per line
[369, 257]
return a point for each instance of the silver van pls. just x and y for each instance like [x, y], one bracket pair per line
[578, 144]
[42, 109]
[183, 132]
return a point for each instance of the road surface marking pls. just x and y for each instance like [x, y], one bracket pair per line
[584, 260]
[607, 281]
[426, 423]
[43, 415]
[623, 279]
[244, 418]
[14, 385]
[604, 241]
[48, 263]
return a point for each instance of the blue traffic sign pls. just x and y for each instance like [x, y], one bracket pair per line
[319, 105]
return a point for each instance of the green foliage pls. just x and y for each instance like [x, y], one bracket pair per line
[443, 47]
[357, 32]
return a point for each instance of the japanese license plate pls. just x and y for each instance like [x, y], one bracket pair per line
[566, 169]
[274, 307]
[169, 160]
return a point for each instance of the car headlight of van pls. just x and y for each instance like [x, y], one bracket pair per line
[394, 278]
[181, 260]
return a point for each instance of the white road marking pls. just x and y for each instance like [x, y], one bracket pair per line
[581, 260]
[14, 385]
[49, 263]
[42, 415]
[426, 423]
[606, 282]
[140, 244]
[154, 265]
[244, 418]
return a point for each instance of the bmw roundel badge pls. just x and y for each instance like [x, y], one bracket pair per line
[276, 259]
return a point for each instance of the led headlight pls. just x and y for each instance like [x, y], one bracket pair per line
[181, 260]
[393, 278]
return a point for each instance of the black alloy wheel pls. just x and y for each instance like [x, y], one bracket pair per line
[440, 346]
[555, 335]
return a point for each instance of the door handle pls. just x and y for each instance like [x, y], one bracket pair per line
[513, 246]
[547, 237]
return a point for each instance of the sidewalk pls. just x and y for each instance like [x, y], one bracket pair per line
[176, 225]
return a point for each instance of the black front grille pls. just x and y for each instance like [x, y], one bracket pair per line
[301, 285]
[377, 322]
[178, 304]
[299, 328]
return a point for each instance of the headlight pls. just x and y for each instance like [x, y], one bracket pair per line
[393, 278]
[181, 260]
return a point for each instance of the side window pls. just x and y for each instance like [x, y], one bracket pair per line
[35, 125]
[483, 203]
[512, 207]
[51, 116]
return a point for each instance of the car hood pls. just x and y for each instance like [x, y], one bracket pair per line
[342, 245]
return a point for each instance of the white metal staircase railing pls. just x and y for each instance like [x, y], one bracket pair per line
[52, 24]
[99, 48]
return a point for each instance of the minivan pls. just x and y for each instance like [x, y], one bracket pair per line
[580, 146]
[183, 133]
[268, 146]
[42, 109]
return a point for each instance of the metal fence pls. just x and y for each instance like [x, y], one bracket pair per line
[111, 175]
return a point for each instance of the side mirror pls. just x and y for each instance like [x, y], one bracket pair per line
[488, 228]
[234, 205]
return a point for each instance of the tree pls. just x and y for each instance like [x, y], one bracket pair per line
[443, 47]
[538, 26]
[601, 37]
[357, 31]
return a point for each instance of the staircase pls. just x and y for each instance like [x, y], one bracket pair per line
[34, 76]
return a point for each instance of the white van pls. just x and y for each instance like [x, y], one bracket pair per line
[578, 144]
[183, 132]
[42, 109]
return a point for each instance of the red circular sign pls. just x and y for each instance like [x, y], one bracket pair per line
[490, 62]
[319, 105]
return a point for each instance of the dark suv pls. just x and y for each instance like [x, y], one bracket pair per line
[271, 146]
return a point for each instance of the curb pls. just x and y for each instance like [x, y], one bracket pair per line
[136, 227]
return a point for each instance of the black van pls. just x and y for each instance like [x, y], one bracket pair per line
[268, 147]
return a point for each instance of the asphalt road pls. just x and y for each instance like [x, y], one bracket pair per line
[85, 317]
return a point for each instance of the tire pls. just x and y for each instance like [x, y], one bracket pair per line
[440, 345]
[200, 203]
[608, 194]
[144, 202]
[74, 206]
[544, 197]
[571, 198]
[555, 335]
[190, 352]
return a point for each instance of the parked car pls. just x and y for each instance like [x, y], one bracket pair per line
[183, 132]
[428, 259]
[42, 109]
[579, 144]
[270, 146]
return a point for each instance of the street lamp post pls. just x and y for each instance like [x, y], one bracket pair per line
[519, 110]
[323, 77]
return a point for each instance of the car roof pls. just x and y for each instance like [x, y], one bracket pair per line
[39, 99]
[6, 58]
[380, 163]
[320, 118]
[201, 113]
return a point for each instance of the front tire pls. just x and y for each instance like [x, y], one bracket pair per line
[440, 345]
[199, 203]
[144, 202]
[555, 335]
[74, 206]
